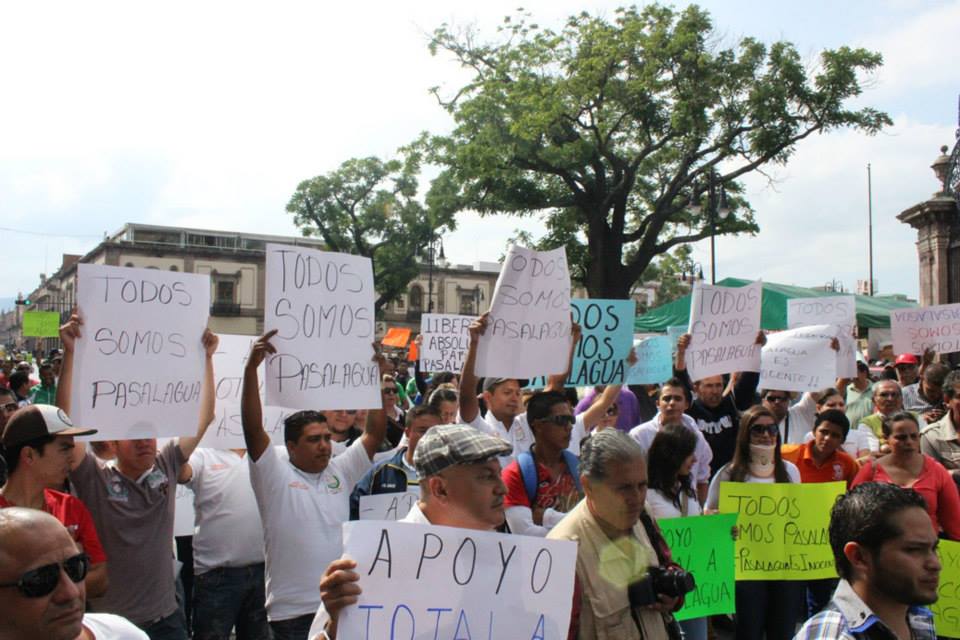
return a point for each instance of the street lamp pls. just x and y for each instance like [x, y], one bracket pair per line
[696, 273]
[716, 207]
[432, 256]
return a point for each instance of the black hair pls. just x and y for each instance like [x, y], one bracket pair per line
[45, 366]
[826, 394]
[833, 416]
[865, 515]
[442, 395]
[294, 423]
[18, 379]
[7, 392]
[678, 383]
[887, 423]
[672, 445]
[12, 454]
[420, 410]
[540, 403]
[935, 373]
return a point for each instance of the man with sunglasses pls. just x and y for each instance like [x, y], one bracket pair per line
[42, 590]
[794, 421]
[37, 446]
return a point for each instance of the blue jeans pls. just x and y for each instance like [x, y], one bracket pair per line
[292, 629]
[173, 627]
[230, 597]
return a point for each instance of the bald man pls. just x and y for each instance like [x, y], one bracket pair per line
[42, 591]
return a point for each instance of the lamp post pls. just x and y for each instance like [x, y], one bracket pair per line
[432, 255]
[716, 207]
[696, 273]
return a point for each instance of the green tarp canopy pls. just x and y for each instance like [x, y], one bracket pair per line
[872, 312]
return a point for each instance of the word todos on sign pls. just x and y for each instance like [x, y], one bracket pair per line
[140, 291]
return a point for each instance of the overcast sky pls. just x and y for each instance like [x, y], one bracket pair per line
[208, 114]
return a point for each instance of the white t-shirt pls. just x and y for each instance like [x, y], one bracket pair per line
[302, 513]
[228, 532]
[799, 420]
[106, 626]
[646, 432]
[660, 506]
[520, 436]
[723, 475]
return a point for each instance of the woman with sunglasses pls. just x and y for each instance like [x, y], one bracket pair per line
[905, 466]
[771, 607]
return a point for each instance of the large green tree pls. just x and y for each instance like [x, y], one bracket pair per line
[608, 129]
[369, 207]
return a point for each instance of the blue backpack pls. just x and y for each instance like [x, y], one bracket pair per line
[528, 472]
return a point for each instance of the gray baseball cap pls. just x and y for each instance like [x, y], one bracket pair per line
[450, 444]
[490, 383]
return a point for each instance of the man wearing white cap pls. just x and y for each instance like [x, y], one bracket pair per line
[37, 443]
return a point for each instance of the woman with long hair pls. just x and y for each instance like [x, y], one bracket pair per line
[906, 466]
[445, 401]
[770, 608]
[672, 492]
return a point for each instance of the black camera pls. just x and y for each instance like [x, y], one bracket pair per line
[673, 582]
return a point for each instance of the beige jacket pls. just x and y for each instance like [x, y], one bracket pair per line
[940, 441]
[604, 569]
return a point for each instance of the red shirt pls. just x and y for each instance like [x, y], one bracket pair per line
[936, 486]
[559, 494]
[74, 515]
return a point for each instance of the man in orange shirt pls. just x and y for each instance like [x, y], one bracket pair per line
[823, 460]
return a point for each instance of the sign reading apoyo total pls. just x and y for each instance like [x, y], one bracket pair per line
[424, 582]
[138, 366]
[528, 329]
[321, 305]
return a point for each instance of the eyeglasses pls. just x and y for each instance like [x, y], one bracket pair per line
[561, 421]
[889, 394]
[10, 407]
[776, 398]
[764, 429]
[389, 391]
[41, 581]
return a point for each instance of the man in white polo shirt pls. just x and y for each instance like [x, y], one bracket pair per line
[228, 587]
[302, 501]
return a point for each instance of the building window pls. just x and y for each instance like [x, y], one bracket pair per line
[416, 297]
[467, 304]
[225, 291]
[173, 267]
[400, 304]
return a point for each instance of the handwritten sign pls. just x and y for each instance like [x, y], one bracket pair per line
[229, 361]
[936, 328]
[138, 367]
[321, 303]
[674, 334]
[703, 545]
[423, 582]
[838, 310]
[607, 332]
[654, 361]
[946, 610]
[724, 322]
[528, 329]
[389, 506]
[799, 359]
[445, 341]
[41, 324]
[783, 529]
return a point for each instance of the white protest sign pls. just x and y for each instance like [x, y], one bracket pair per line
[139, 363]
[528, 329]
[389, 506]
[935, 328]
[226, 431]
[321, 303]
[445, 340]
[799, 359]
[424, 582]
[838, 310]
[724, 322]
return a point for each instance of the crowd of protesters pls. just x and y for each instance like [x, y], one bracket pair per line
[487, 454]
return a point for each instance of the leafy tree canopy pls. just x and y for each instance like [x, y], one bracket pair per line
[369, 207]
[608, 128]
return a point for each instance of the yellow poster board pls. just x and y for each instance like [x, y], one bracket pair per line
[946, 611]
[783, 529]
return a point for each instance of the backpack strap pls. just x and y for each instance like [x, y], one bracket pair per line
[573, 464]
[528, 473]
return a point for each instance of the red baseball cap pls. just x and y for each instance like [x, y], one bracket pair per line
[907, 358]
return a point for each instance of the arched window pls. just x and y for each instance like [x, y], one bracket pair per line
[416, 297]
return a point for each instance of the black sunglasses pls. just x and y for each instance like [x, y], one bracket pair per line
[41, 581]
[561, 421]
[768, 429]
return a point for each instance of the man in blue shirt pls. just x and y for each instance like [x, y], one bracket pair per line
[885, 550]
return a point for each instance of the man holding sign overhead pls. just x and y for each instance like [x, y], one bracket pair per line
[303, 500]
